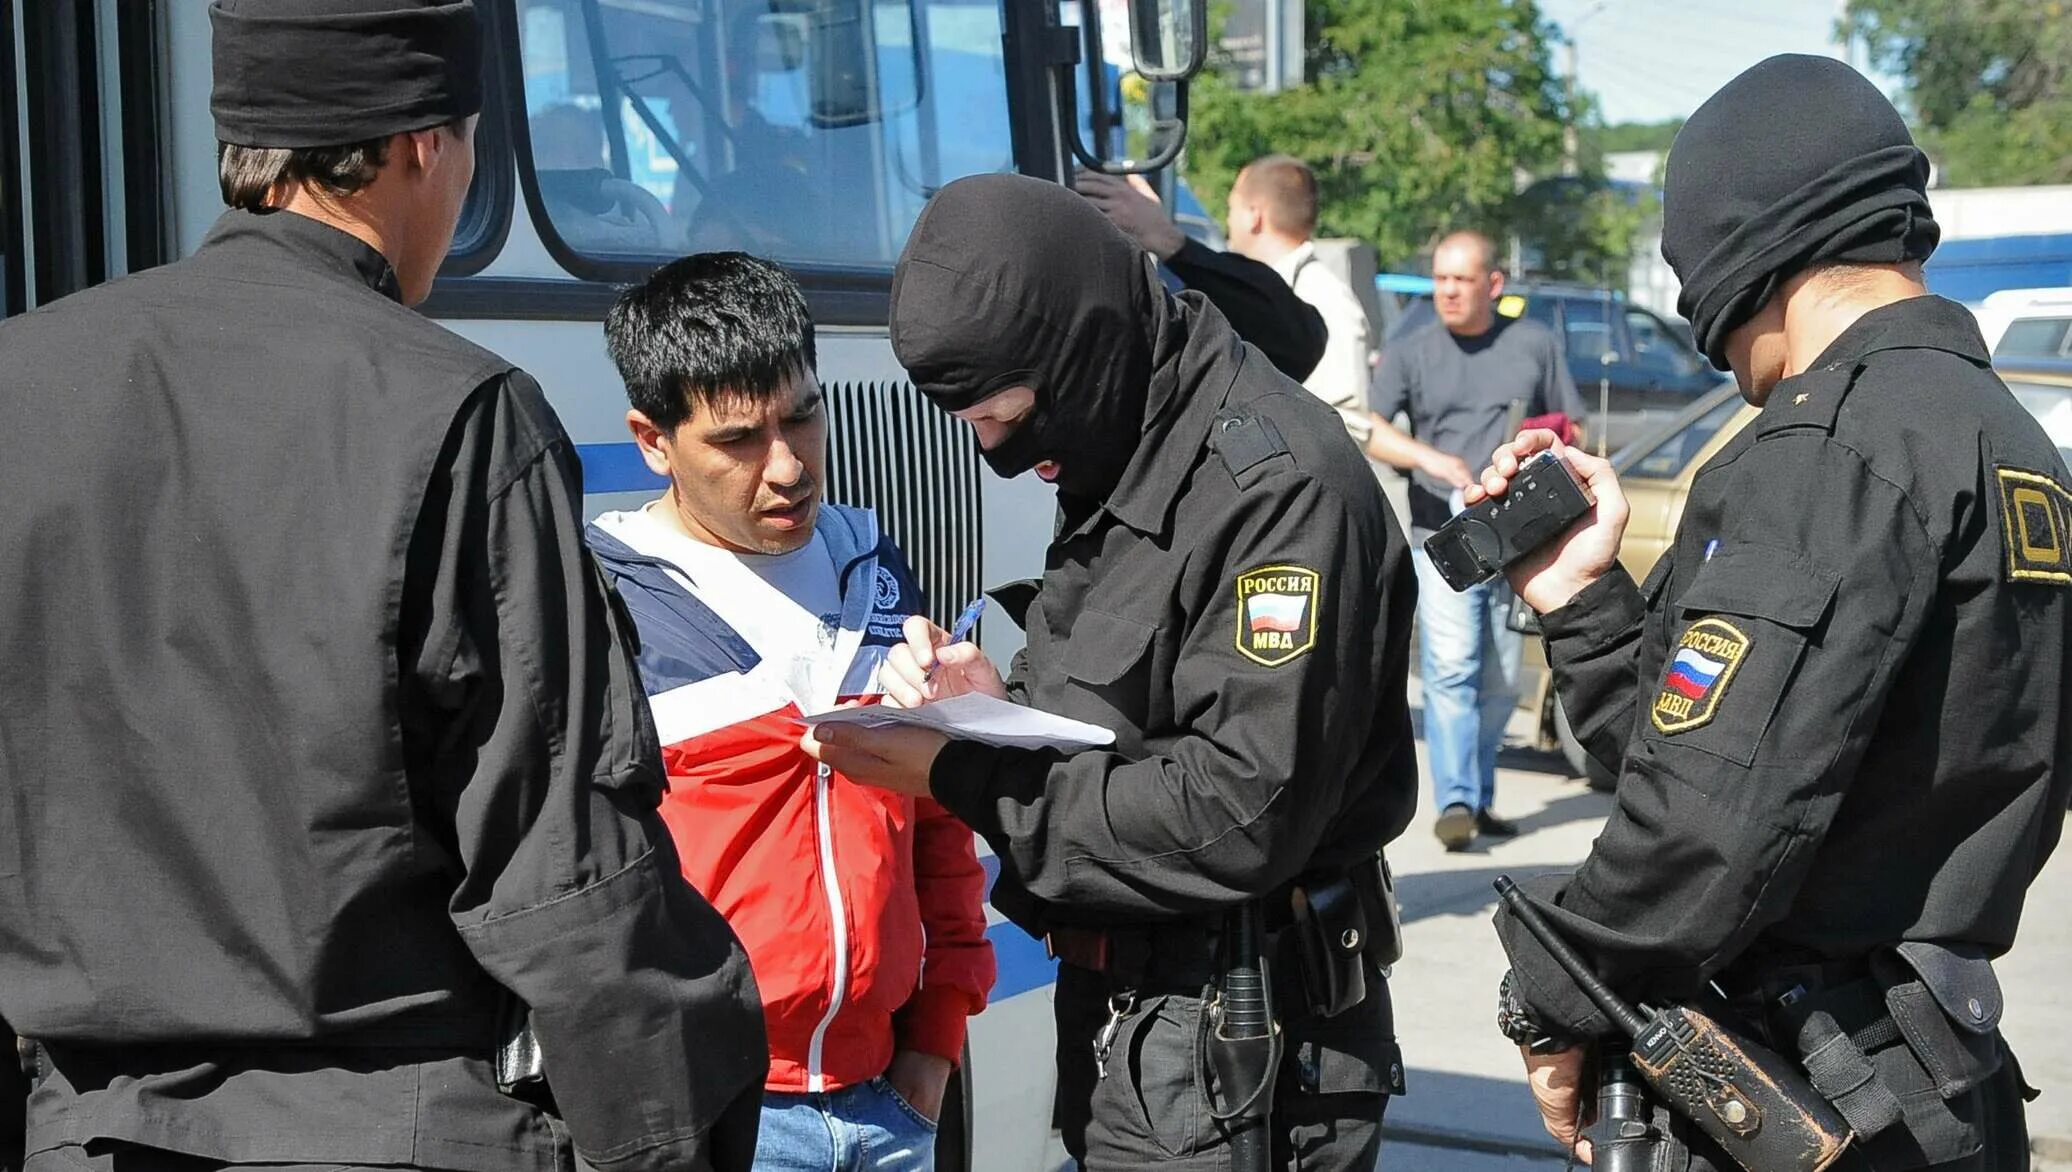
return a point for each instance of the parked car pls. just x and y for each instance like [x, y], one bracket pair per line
[1636, 370]
[1657, 471]
[2028, 323]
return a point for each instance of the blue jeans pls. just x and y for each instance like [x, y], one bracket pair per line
[863, 1128]
[1469, 661]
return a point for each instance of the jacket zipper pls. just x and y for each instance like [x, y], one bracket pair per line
[823, 819]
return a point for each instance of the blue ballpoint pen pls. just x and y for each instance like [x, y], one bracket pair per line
[961, 630]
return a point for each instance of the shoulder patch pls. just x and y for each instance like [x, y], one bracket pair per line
[2035, 515]
[1698, 674]
[1277, 613]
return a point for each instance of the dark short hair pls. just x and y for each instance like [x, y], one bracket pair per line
[711, 325]
[1286, 188]
[248, 175]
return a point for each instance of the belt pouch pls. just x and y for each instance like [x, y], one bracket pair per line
[1330, 928]
[1377, 887]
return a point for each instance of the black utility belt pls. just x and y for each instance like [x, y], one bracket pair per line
[1324, 937]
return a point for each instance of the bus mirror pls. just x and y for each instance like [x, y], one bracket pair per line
[1169, 38]
[852, 81]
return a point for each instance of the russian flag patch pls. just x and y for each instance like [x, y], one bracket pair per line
[1698, 674]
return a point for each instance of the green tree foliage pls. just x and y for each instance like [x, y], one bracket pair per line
[1989, 82]
[1419, 117]
[1633, 136]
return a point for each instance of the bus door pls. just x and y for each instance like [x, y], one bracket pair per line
[81, 175]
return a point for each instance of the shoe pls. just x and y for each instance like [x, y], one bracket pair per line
[1495, 827]
[1455, 828]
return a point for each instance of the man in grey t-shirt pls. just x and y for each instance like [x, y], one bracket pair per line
[1465, 383]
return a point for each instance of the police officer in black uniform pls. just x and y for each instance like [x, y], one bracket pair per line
[1228, 593]
[1837, 705]
[322, 754]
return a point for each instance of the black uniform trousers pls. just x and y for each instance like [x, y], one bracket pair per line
[1152, 1107]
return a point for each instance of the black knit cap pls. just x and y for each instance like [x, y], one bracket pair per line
[319, 73]
[1799, 161]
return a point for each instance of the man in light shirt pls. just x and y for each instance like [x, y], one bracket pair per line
[1273, 212]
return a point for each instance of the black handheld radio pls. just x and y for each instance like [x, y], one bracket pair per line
[1760, 1110]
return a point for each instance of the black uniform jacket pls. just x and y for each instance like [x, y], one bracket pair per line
[1837, 706]
[318, 734]
[1238, 612]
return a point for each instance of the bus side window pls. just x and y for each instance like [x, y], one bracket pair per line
[803, 130]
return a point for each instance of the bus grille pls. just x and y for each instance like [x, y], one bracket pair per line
[890, 451]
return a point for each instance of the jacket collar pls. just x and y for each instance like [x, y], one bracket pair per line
[305, 244]
[1203, 371]
[1918, 323]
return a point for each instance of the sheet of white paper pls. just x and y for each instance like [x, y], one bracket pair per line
[973, 717]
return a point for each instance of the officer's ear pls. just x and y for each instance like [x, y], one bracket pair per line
[1496, 283]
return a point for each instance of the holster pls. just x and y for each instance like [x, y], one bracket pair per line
[1242, 1042]
[1899, 1051]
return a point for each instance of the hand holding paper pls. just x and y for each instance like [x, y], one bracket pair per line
[895, 748]
[977, 717]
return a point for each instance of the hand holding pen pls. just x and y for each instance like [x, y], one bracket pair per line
[934, 664]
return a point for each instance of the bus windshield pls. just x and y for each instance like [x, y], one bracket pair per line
[808, 131]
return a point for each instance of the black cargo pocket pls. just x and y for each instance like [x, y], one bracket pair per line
[1153, 1091]
[1741, 631]
[1354, 1053]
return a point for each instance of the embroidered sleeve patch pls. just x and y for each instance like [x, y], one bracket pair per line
[2035, 515]
[1698, 674]
[1276, 613]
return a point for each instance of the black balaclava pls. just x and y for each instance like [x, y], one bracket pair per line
[325, 73]
[1798, 161]
[1012, 281]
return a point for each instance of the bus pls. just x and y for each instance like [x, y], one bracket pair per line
[616, 136]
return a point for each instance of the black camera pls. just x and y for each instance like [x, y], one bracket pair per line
[1543, 500]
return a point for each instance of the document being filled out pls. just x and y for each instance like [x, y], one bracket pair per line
[976, 717]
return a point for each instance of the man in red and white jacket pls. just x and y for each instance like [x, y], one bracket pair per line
[756, 603]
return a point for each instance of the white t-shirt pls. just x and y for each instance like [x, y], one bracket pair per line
[788, 605]
[1341, 376]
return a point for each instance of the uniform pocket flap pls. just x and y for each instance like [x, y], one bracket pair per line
[1965, 986]
[1105, 647]
[1375, 1070]
[1763, 583]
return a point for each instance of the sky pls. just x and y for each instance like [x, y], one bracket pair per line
[1650, 60]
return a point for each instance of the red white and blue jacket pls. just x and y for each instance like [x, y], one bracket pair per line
[862, 910]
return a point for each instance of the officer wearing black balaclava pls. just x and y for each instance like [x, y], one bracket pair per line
[1230, 595]
[323, 760]
[1837, 707]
